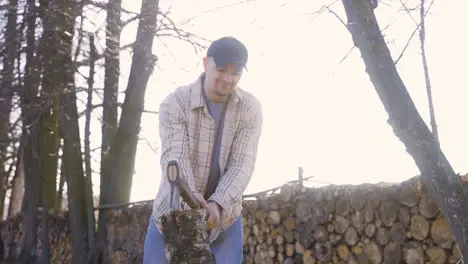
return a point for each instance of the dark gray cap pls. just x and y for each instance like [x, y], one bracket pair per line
[228, 50]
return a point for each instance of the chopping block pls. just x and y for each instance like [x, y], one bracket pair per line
[185, 232]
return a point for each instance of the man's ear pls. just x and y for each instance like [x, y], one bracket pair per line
[205, 63]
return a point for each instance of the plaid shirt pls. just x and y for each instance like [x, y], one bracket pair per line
[187, 133]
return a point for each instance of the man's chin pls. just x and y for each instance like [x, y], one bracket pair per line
[223, 93]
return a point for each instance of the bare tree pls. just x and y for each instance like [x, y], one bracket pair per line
[123, 147]
[6, 91]
[437, 174]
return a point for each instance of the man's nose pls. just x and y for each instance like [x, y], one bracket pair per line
[227, 77]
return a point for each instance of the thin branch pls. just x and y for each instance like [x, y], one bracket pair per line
[212, 10]
[422, 37]
[414, 31]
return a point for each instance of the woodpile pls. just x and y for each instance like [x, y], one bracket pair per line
[379, 223]
[127, 233]
[369, 223]
[12, 235]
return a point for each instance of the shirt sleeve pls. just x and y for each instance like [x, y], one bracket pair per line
[174, 138]
[242, 160]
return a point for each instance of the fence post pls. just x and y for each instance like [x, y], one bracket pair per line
[301, 177]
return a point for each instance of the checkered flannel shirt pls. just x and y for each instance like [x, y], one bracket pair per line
[187, 133]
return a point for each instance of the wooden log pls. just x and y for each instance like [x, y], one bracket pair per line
[351, 236]
[382, 236]
[373, 253]
[419, 227]
[186, 238]
[441, 233]
[428, 207]
[398, 233]
[388, 212]
[436, 255]
[413, 253]
[392, 253]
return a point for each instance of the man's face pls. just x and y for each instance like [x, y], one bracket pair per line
[221, 80]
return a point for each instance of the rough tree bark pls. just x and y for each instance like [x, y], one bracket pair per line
[6, 90]
[436, 172]
[29, 112]
[123, 146]
[109, 111]
[48, 138]
[87, 141]
[111, 89]
[17, 185]
[109, 119]
[79, 197]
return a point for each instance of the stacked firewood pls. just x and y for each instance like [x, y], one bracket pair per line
[369, 223]
[13, 232]
[379, 223]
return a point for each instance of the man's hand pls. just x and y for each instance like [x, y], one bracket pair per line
[213, 211]
[214, 215]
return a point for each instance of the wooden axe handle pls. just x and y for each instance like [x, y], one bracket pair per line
[187, 194]
[175, 177]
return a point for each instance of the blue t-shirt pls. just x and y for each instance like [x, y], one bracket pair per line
[216, 111]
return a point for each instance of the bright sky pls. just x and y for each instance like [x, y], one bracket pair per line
[319, 113]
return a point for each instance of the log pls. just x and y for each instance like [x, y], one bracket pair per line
[351, 236]
[419, 227]
[404, 216]
[413, 253]
[440, 233]
[357, 221]
[186, 238]
[373, 253]
[436, 255]
[392, 253]
[428, 207]
[370, 230]
[382, 236]
[388, 212]
[398, 233]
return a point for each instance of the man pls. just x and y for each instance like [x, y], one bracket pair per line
[211, 127]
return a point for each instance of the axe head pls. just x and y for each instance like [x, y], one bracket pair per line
[180, 188]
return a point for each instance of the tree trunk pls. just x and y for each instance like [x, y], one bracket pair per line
[111, 89]
[51, 86]
[123, 147]
[88, 168]
[59, 201]
[78, 198]
[186, 238]
[109, 121]
[422, 40]
[436, 172]
[109, 117]
[82, 231]
[8, 80]
[29, 115]
[17, 188]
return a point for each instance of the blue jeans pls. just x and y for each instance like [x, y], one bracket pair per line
[227, 248]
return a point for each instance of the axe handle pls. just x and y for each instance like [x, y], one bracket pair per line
[187, 194]
[176, 178]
